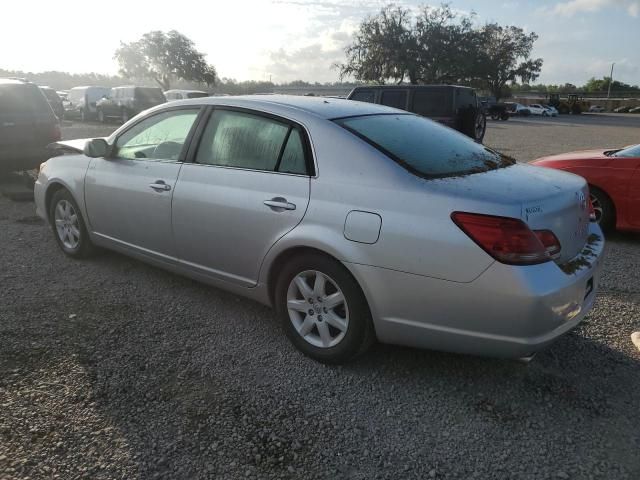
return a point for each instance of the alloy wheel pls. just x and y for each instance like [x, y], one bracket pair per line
[317, 309]
[597, 207]
[67, 226]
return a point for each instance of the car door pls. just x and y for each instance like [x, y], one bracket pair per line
[633, 205]
[248, 185]
[128, 195]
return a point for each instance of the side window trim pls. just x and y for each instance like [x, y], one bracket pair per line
[187, 141]
[206, 117]
[282, 149]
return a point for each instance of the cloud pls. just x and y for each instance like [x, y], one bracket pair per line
[573, 7]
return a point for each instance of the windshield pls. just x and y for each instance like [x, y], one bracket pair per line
[633, 151]
[422, 146]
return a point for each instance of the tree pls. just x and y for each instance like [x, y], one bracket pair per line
[383, 48]
[446, 44]
[505, 57]
[163, 57]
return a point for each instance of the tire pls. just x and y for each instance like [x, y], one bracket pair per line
[605, 209]
[480, 127]
[64, 215]
[334, 345]
[504, 117]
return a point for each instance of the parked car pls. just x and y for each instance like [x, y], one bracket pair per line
[27, 126]
[126, 102]
[184, 94]
[54, 100]
[635, 110]
[596, 109]
[454, 106]
[517, 109]
[355, 221]
[614, 181]
[553, 111]
[538, 110]
[622, 109]
[82, 102]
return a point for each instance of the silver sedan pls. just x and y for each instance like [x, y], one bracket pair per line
[356, 222]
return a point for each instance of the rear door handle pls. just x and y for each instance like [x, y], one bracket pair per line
[279, 204]
[160, 186]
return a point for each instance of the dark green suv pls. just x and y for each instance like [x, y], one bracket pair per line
[454, 106]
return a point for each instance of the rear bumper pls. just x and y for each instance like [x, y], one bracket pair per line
[22, 158]
[506, 312]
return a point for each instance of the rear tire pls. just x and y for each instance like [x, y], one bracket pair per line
[604, 208]
[480, 127]
[313, 312]
[69, 228]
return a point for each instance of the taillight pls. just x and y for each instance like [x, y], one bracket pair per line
[508, 240]
[549, 242]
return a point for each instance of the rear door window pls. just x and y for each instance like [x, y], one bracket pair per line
[368, 96]
[394, 98]
[422, 146]
[432, 103]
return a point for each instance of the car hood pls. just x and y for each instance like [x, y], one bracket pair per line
[74, 146]
[579, 155]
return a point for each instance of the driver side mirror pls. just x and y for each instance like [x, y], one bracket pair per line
[96, 148]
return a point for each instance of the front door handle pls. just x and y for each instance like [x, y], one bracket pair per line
[160, 186]
[279, 204]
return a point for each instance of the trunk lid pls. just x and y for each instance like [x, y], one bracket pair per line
[548, 199]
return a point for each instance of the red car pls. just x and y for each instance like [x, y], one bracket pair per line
[614, 181]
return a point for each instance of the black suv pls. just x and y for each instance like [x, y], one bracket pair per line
[126, 102]
[454, 106]
[27, 126]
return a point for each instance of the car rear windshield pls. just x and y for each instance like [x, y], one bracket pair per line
[423, 146]
[21, 99]
[150, 94]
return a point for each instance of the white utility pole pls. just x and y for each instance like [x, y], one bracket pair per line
[610, 81]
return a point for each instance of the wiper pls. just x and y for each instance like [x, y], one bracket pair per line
[609, 153]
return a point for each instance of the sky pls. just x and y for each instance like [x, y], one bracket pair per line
[289, 40]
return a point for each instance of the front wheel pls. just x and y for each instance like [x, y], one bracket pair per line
[323, 310]
[68, 225]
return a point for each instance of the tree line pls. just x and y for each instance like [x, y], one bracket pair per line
[440, 45]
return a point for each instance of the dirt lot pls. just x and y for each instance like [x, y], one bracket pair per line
[111, 369]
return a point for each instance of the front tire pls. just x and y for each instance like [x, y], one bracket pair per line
[480, 127]
[69, 228]
[322, 309]
[604, 208]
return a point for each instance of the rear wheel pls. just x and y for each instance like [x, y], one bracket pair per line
[480, 127]
[604, 209]
[323, 310]
[68, 225]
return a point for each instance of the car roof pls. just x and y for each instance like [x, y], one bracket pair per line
[13, 81]
[410, 87]
[327, 108]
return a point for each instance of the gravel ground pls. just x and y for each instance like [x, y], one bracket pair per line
[111, 369]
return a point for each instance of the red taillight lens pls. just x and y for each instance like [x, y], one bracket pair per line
[549, 242]
[508, 240]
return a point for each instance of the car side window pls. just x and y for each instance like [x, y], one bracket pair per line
[368, 96]
[293, 157]
[394, 98]
[160, 137]
[242, 140]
